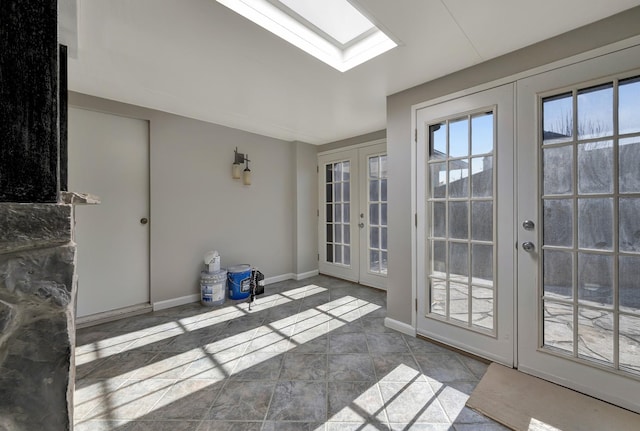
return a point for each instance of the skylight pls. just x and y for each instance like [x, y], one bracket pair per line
[333, 31]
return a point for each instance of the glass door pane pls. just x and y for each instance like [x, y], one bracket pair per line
[460, 208]
[590, 244]
[377, 210]
[338, 208]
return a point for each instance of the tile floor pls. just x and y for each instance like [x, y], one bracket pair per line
[310, 355]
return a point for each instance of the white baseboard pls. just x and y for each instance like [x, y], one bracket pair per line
[111, 315]
[405, 328]
[307, 274]
[161, 305]
[278, 278]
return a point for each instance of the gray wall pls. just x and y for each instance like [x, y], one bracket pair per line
[196, 206]
[601, 33]
[306, 205]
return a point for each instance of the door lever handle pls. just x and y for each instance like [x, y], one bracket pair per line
[360, 225]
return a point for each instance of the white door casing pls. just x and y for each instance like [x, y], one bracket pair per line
[109, 157]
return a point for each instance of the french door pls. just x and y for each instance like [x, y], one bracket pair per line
[579, 249]
[548, 217]
[352, 227]
[465, 232]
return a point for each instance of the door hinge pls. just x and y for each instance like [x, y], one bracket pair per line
[416, 305]
[318, 213]
[318, 257]
[415, 219]
[415, 135]
[317, 169]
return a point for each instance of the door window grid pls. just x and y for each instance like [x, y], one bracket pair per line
[377, 216]
[590, 185]
[338, 207]
[461, 208]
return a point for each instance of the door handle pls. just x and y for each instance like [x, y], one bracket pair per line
[360, 225]
[144, 220]
[528, 225]
[528, 246]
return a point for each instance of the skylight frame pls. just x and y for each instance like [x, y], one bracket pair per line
[350, 9]
[288, 25]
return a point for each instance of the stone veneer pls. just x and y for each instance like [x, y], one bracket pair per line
[37, 331]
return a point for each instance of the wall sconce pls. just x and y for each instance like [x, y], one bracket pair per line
[237, 163]
[246, 174]
[238, 159]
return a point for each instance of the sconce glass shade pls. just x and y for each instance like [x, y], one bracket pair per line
[246, 177]
[235, 171]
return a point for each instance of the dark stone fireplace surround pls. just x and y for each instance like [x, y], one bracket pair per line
[37, 312]
[37, 251]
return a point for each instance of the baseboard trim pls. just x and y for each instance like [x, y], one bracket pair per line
[278, 278]
[169, 303]
[405, 328]
[305, 275]
[175, 302]
[111, 315]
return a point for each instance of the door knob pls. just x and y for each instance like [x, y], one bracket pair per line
[528, 246]
[528, 225]
[144, 220]
[360, 225]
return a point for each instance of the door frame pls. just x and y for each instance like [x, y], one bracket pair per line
[354, 217]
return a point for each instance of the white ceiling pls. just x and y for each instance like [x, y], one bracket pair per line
[198, 59]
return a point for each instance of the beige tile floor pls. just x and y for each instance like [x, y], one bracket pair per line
[310, 355]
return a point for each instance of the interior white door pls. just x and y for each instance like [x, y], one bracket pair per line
[579, 257]
[109, 157]
[465, 234]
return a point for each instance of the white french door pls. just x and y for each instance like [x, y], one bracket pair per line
[566, 193]
[579, 252]
[352, 225]
[465, 252]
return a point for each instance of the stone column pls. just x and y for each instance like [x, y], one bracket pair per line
[37, 254]
[37, 372]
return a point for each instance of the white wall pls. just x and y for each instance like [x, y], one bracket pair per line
[399, 133]
[196, 206]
